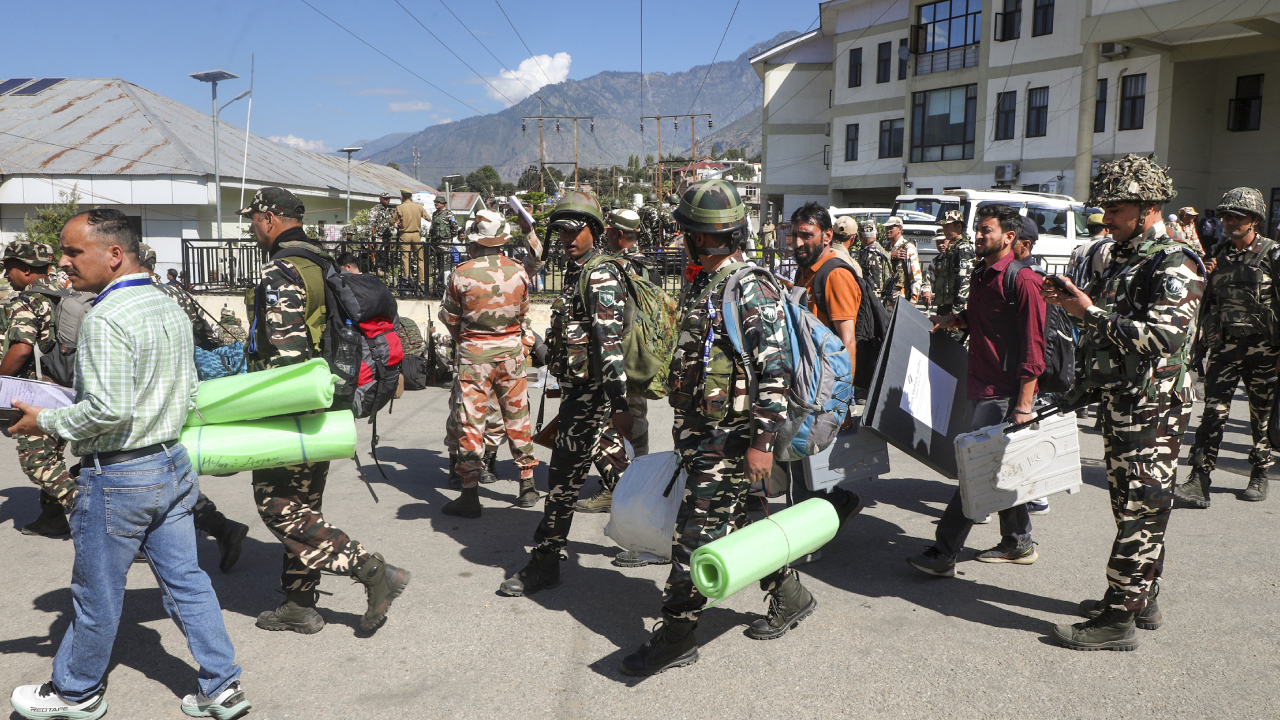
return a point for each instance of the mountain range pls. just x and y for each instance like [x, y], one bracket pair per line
[729, 90]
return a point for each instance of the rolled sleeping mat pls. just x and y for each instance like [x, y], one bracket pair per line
[741, 558]
[280, 391]
[270, 442]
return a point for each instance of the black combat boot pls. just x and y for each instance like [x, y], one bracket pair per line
[1257, 490]
[230, 537]
[52, 522]
[1195, 491]
[789, 603]
[542, 572]
[1112, 629]
[1148, 618]
[489, 473]
[298, 613]
[467, 505]
[672, 645]
[528, 494]
[455, 480]
[383, 583]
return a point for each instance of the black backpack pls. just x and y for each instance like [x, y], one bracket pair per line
[1059, 336]
[871, 327]
[56, 361]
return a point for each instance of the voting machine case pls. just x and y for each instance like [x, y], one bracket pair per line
[856, 454]
[999, 471]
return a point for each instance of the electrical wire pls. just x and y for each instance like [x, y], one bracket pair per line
[486, 48]
[534, 58]
[451, 52]
[714, 56]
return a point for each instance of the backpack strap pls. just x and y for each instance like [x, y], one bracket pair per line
[820, 281]
[733, 320]
[1010, 284]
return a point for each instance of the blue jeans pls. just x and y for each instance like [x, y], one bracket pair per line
[139, 504]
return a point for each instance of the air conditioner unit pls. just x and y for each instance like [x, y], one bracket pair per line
[1050, 187]
[1005, 173]
[1113, 50]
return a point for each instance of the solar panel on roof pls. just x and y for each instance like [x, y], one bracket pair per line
[12, 84]
[39, 86]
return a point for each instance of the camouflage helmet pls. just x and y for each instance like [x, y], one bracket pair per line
[30, 253]
[1244, 200]
[711, 206]
[1131, 179]
[953, 216]
[577, 205]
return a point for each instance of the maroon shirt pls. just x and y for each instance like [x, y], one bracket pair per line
[995, 329]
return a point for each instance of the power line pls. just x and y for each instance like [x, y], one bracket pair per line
[446, 47]
[713, 57]
[534, 58]
[486, 48]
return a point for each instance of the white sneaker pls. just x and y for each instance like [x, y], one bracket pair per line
[982, 520]
[1038, 507]
[230, 703]
[42, 702]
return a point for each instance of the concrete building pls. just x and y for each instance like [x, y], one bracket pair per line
[121, 145]
[891, 96]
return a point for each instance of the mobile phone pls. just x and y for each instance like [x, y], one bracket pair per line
[1058, 282]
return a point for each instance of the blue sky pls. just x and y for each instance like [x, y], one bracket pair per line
[320, 88]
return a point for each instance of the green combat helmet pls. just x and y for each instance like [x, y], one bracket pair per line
[1244, 200]
[711, 206]
[650, 199]
[1131, 179]
[577, 207]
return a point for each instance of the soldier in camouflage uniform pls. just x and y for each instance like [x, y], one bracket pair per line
[953, 266]
[228, 533]
[41, 457]
[656, 225]
[585, 342]
[1239, 326]
[484, 309]
[380, 229]
[443, 233]
[230, 326]
[724, 435]
[874, 261]
[905, 277]
[289, 498]
[623, 228]
[1133, 353]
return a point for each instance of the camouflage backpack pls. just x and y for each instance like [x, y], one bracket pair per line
[650, 322]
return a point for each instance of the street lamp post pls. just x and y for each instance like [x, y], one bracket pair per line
[348, 151]
[213, 77]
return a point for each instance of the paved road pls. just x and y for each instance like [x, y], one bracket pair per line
[885, 641]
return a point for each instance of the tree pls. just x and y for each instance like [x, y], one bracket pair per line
[485, 180]
[394, 166]
[49, 220]
[733, 154]
[741, 172]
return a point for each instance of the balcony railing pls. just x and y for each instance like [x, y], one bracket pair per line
[951, 59]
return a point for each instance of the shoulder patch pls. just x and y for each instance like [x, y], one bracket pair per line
[1175, 286]
[273, 297]
[770, 312]
[606, 298]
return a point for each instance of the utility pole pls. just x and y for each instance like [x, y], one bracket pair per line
[693, 139]
[541, 154]
[416, 158]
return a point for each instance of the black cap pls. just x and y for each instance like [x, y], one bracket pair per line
[1030, 231]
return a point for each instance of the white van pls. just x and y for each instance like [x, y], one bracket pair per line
[1060, 219]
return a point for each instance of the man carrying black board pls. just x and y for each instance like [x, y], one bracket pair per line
[1006, 357]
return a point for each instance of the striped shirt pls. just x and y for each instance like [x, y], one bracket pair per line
[135, 376]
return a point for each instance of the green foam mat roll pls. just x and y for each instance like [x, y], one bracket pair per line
[270, 442]
[279, 391]
[729, 564]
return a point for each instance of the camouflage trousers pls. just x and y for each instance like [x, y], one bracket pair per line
[289, 500]
[713, 504]
[586, 435]
[639, 407]
[1255, 363]
[481, 385]
[494, 430]
[43, 459]
[1141, 439]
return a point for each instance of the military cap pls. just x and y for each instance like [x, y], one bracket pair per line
[1095, 219]
[1131, 179]
[405, 192]
[845, 226]
[489, 229]
[711, 206]
[440, 200]
[950, 216]
[1244, 201]
[385, 196]
[147, 255]
[893, 221]
[1030, 231]
[277, 201]
[30, 253]
[1188, 210]
[628, 220]
[868, 227]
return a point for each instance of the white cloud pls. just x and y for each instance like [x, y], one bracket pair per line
[529, 77]
[302, 144]
[408, 106]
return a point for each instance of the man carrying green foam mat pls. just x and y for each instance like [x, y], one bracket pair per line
[723, 432]
[280, 391]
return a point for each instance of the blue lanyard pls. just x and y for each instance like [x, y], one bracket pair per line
[116, 286]
[711, 334]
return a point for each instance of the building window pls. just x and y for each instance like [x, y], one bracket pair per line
[1245, 111]
[1100, 107]
[1006, 109]
[902, 59]
[851, 142]
[1133, 101]
[884, 62]
[1009, 22]
[1042, 18]
[1038, 112]
[943, 124]
[946, 35]
[855, 67]
[891, 138]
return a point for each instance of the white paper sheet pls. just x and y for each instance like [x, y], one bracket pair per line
[33, 392]
[928, 392]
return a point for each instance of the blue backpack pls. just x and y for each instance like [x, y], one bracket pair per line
[822, 380]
